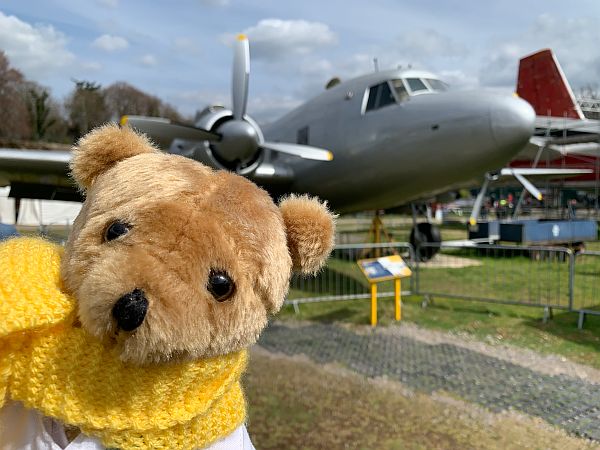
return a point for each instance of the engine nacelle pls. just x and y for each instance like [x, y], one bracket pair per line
[213, 118]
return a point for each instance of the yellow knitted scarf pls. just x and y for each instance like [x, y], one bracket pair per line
[50, 364]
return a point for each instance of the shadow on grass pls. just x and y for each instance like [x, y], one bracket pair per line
[336, 315]
[564, 326]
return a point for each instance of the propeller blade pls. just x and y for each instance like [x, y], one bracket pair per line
[479, 202]
[241, 73]
[302, 151]
[528, 185]
[163, 131]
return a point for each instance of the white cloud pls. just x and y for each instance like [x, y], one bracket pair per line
[263, 108]
[267, 108]
[317, 67]
[186, 46]
[34, 49]
[275, 39]
[191, 101]
[110, 43]
[419, 50]
[358, 64]
[457, 79]
[91, 66]
[574, 41]
[148, 60]
[421, 45]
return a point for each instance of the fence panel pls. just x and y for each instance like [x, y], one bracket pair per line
[341, 279]
[534, 276]
[586, 295]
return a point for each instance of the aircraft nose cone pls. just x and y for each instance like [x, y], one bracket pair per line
[512, 121]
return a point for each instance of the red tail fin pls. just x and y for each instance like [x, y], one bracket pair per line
[543, 84]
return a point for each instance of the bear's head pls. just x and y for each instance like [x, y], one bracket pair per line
[169, 259]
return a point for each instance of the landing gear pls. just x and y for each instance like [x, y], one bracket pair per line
[428, 234]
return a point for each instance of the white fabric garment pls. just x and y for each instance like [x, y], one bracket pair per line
[25, 429]
[37, 212]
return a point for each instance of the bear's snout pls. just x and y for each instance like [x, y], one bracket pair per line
[130, 310]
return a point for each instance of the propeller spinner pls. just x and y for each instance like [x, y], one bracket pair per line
[237, 140]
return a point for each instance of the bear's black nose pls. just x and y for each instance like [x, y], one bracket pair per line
[130, 310]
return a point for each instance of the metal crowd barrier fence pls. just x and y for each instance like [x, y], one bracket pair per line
[542, 276]
[586, 298]
[341, 279]
[510, 274]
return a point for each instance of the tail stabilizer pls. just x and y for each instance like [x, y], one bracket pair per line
[542, 83]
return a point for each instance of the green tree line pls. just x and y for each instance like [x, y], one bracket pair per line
[28, 112]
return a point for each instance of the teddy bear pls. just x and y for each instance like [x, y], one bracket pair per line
[135, 334]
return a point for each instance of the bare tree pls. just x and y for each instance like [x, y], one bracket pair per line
[168, 111]
[590, 91]
[14, 117]
[40, 110]
[123, 98]
[86, 107]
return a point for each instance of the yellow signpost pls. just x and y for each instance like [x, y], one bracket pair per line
[384, 269]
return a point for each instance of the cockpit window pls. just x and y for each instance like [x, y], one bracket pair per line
[385, 95]
[380, 95]
[401, 92]
[416, 85]
[437, 85]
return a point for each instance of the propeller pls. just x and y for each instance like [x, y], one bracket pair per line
[236, 141]
[164, 131]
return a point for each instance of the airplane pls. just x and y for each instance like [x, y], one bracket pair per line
[564, 137]
[384, 139]
[565, 145]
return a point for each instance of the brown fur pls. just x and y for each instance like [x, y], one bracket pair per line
[100, 149]
[310, 232]
[186, 219]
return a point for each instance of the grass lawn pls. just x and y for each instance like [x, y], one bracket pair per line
[296, 404]
[499, 276]
[492, 323]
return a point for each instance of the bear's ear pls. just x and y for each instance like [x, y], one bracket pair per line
[310, 229]
[102, 148]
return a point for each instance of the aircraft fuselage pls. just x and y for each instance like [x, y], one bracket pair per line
[404, 151]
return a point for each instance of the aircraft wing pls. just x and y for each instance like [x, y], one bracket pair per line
[587, 144]
[567, 123]
[47, 161]
[522, 175]
[37, 173]
[543, 172]
[44, 174]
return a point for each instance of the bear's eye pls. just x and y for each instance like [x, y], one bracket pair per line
[115, 230]
[220, 285]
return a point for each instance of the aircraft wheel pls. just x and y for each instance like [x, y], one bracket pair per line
[425, 233]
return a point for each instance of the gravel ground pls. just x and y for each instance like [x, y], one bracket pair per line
[295, 403]
[546, 364]
[498, 378]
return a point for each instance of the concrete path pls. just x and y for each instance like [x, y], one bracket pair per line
[568, 402]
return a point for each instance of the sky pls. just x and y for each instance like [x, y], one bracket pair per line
[181, 50]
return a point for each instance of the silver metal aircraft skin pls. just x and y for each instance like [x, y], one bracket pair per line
[425, 143]
[391, 137]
